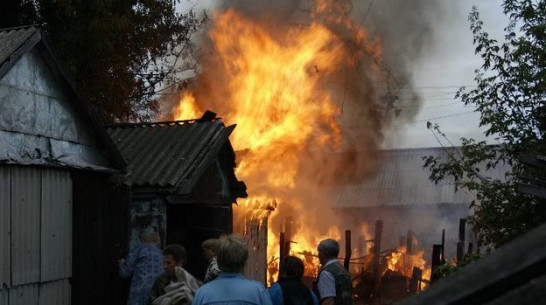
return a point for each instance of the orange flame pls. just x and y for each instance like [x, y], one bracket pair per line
[403, 262]
[280, 88]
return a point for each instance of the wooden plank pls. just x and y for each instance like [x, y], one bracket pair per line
[532, 293]
[347, 261]
[415, 282]
[409, 242]
[436, 261]
[376, 261]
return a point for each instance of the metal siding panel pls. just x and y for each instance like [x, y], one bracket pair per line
[24, 295]
[25, 226]
[56, 245]
[5, 222]
[55, 293]
[4, 296]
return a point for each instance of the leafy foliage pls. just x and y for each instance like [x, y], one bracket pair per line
[447, 269]
[119, 51]
[510, 97]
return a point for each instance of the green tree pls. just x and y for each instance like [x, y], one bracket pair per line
[119, 51]
[510, 97]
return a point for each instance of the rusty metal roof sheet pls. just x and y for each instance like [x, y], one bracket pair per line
[172, 154]
[402, 180]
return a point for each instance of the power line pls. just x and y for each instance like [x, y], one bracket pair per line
[437, 118]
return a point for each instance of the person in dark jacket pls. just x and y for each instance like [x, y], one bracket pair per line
[334, 284]
[289, 289]
[173, 256]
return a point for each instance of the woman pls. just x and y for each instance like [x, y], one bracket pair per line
[143, 264]
[289, 289]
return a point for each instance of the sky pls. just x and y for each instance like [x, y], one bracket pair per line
[445, 62]
[449, 64]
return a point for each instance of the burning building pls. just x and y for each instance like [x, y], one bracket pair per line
[298, 92]
[311, 98]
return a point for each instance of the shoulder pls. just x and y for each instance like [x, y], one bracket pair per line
[256, 283]
[275, 288]
[325, 275]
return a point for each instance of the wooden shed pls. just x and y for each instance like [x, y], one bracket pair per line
[51, 149]
[182, 181]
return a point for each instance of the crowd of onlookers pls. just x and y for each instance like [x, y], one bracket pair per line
[159, 278]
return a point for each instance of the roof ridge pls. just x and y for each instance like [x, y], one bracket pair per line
[35, 25]
[160, 124]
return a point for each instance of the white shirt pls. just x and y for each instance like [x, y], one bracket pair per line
[327, 283]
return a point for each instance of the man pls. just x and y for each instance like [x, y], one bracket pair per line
[210, 247]
[176, 285]
[231, 287]
[334, 283]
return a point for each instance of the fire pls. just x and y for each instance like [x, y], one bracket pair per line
[285, 88]
[188, 109]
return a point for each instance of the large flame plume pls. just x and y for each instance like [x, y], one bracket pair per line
[302, 96]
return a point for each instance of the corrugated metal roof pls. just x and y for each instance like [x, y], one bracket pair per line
[168, 154]
[402, 180]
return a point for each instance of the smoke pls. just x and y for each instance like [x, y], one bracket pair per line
[381, 44]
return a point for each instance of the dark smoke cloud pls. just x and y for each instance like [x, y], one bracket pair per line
[407, 32]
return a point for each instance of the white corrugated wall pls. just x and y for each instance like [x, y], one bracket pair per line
[36, 259]
[25, 225]
[56, 220]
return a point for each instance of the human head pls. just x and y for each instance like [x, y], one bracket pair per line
[210, 246]
[328, 249]
[150, 238]
[291, 267]
[173, 256]
[232, 254]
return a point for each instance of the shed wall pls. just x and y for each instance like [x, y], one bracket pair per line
[5, 223]
[56, 220]
[36, 206]
[38, 122]
[55, 293]
[101, 222]
[25, 225]
[24, 295]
